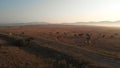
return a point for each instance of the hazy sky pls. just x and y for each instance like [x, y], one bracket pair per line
[57, 11]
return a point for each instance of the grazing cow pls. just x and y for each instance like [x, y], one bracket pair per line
[116, 33]
[75, 35]
[10, 34]
[22, 33]
[65, 33]
[28, 40]
[0, 45]
[58, 37]
[88, 39]
[111, 36]
[103, 36]
[57, 32]
[80, 34]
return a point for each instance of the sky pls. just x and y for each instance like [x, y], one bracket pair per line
[58, 11]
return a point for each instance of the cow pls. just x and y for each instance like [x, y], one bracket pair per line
[88, 39]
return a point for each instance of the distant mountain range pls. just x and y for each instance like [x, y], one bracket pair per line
[23, 24]
[100, 23]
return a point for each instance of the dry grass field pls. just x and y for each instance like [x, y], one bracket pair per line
[60, 46]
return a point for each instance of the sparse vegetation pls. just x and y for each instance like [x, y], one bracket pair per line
[59, 61]
[66, 48]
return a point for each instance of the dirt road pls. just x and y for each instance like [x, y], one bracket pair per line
[101, 59]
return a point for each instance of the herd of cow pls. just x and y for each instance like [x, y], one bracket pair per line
[79, 38]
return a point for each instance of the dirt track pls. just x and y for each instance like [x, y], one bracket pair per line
[101, 59]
